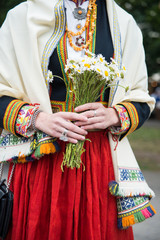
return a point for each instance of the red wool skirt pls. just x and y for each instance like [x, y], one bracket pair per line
[72, 205]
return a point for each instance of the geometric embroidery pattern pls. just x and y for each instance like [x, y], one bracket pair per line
[130, 175]
[11, 140]
[10, 115]
[24, 120]
[124, 119]
[133, 115]
[126, 203]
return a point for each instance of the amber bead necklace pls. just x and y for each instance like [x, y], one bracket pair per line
[70, 34]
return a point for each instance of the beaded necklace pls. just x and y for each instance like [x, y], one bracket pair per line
[80, 41]
[77, 2]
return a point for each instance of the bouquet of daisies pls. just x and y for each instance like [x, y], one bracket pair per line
[87, 76]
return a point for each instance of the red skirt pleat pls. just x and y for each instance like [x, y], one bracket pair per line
[72, 205]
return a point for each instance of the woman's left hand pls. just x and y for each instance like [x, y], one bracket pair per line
[98, 116]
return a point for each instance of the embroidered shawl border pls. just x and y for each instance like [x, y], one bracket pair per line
[117, 50]
[54, 39]
[130, 175]
[134, 209]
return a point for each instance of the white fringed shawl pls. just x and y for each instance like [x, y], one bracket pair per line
[23, 38]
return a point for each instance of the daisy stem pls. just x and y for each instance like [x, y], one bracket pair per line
[58, 77]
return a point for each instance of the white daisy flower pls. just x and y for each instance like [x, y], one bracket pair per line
[50, 76]
[100, 58]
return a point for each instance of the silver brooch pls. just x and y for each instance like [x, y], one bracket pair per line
[79, 13]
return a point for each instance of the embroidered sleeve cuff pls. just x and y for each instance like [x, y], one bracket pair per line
[124, 119]
[24, 120]
[133, 116]
[11, 113]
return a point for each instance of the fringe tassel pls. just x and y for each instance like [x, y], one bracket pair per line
[45, 148]
[21, 158]
[114, 188]
[115, 139]
[137, 217]
[41, 150]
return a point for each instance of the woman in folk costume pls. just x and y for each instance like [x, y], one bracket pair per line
[38, 117]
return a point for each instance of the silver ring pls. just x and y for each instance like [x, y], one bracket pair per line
[95, 113]
[65, 133]
[64, 136]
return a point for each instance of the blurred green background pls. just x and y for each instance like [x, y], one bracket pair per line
[145, 141]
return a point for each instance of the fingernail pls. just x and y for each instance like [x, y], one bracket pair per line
[85, 132]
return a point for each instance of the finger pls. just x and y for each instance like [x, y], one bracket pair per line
[90, 121]
[95, 126]
[75, 136]
[59, 134]
[70, 135]
[69, 139]
[88, 106]
[101, 111]
[90, 114]
[72, 116]
[73, 128]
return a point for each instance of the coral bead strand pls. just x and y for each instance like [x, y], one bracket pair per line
[91, 9]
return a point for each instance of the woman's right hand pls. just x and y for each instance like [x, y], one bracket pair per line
[55, 124]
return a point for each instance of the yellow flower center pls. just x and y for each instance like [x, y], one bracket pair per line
[106, 73]
[73, 66]
[87, 65]
[124, 68]
[101, 59]
[98, 70]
